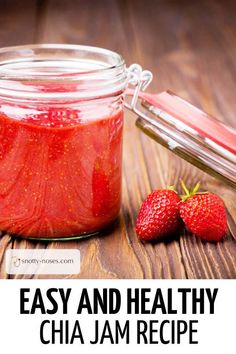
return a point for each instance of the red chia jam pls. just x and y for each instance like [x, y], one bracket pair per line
[60, 169]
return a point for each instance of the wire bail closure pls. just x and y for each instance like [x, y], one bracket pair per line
[140, 79]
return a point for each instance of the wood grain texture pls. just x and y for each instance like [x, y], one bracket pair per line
[191, 48]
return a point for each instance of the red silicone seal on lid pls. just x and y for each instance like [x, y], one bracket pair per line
[195, 118]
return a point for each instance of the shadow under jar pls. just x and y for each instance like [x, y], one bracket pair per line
[61, 120]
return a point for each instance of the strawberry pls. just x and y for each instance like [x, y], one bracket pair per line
[159, 215]
[204, 214]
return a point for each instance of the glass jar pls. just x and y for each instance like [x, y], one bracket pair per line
[61, 120]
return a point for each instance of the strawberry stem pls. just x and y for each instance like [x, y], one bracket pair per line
[172, 188]
[189, 192]
[185, 189]
[196, 188]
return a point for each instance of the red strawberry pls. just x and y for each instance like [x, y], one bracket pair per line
[159, 215]
[204, 214]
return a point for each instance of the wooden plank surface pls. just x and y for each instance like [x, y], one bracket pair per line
[191, 48]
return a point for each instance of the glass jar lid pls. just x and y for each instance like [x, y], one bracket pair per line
[185, 130]
[191, 134]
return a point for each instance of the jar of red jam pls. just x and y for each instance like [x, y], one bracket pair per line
[61, 120]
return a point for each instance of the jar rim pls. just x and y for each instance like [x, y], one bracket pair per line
[92, 71]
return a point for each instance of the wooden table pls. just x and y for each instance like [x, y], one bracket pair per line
[190, 46]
